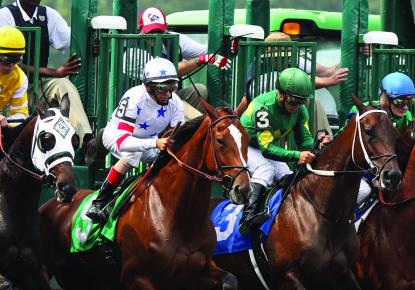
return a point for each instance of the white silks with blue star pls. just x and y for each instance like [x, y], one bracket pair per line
[138, 119]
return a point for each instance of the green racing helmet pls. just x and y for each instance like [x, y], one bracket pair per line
[295, 82]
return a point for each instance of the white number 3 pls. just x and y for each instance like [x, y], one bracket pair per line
[262, 119]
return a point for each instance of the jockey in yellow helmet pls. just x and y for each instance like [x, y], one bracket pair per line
[13, 81]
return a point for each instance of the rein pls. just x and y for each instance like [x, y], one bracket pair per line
[323, 214]
[384, 202]
[46, 179]
[225, 180]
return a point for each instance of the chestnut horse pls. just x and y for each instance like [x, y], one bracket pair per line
[36, 148]
[312, 243]
[387, 237]
[165, 239]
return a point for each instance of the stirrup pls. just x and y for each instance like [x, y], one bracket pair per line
[95, 213]
[260, 218]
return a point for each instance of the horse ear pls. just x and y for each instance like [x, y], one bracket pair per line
[359, 104]
[40, 110]
[65, 105]
[242, 106]
[210, 110]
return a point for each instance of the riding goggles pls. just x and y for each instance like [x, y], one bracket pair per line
[10, 59]
[290, 99]
[401, 102]
[165, 87]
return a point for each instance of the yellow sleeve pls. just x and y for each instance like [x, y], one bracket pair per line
[18, 101]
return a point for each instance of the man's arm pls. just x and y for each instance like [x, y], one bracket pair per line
[186, 67]
[302, 134]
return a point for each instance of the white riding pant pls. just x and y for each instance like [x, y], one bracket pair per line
[109, 139]
[364, 191]
[265, 171]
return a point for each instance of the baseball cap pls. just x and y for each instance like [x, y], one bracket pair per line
[152, 18]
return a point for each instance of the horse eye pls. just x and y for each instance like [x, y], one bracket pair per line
[47, 141]
[75, 141]
[220, 141]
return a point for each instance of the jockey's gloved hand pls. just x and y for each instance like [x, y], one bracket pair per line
[217, 60]
[234, 46]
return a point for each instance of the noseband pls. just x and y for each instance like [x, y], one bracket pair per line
[220, 177]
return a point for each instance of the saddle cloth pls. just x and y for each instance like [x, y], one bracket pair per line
[226, 217]
[84, 234]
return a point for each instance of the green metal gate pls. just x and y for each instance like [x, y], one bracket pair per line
[121, 60]
[378, 64]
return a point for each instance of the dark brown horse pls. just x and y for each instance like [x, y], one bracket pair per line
[165, 239]
[20, 187]
[312, 243]
[387, 237]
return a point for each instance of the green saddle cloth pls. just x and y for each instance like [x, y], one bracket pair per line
[84, 234]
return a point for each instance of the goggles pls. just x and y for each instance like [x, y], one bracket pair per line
[165, 87]
[401, 102]
[10, 59]
[290, 99]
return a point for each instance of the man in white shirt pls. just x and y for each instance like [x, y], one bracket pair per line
[132, 133]
[191, 56]
[55, 33]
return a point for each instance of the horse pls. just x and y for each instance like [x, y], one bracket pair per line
[164, 239]
[386, 237]
[33, 151]
[312, 243]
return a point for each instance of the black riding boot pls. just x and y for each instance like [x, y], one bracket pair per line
[254, 213]
[96, 212]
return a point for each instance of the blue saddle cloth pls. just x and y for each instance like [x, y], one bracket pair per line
[226, 217]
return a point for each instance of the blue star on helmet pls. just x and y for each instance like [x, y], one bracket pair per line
[138, 110]
[144, 126]
[163, 72]
[161, 112]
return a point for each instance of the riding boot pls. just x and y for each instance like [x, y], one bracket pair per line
[254, 213]
[96, 212]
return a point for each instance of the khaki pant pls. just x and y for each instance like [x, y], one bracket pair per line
[54, 90]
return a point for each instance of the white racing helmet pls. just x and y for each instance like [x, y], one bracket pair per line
[159, 70]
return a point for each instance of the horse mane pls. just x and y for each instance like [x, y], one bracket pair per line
[183, 134]
[10, 134]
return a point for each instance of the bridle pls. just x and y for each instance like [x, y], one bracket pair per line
[220, 177]
[373, 170]
[47, 179]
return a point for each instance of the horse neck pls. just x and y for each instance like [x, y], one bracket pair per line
[16, 185]
[187, 194]
[337, 195]
[407, 189]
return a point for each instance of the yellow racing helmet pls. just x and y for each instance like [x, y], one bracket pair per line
[12, 40]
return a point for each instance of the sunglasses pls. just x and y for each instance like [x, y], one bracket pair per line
[10, 60]
[402, 102]
[172, 87]
[293, 100]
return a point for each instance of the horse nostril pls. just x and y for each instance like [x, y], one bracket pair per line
[395, 177]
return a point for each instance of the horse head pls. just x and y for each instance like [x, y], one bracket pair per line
[230, 150]
[377, 145]
[53, 149]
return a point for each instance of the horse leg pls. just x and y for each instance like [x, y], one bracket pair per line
[216, 278]
[347, 282]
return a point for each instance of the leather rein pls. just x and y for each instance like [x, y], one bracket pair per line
[47, 179]
[225, 180]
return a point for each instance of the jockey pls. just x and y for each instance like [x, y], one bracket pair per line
[13, 81]
[270, 117]
[396, 95]
[143, 112]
